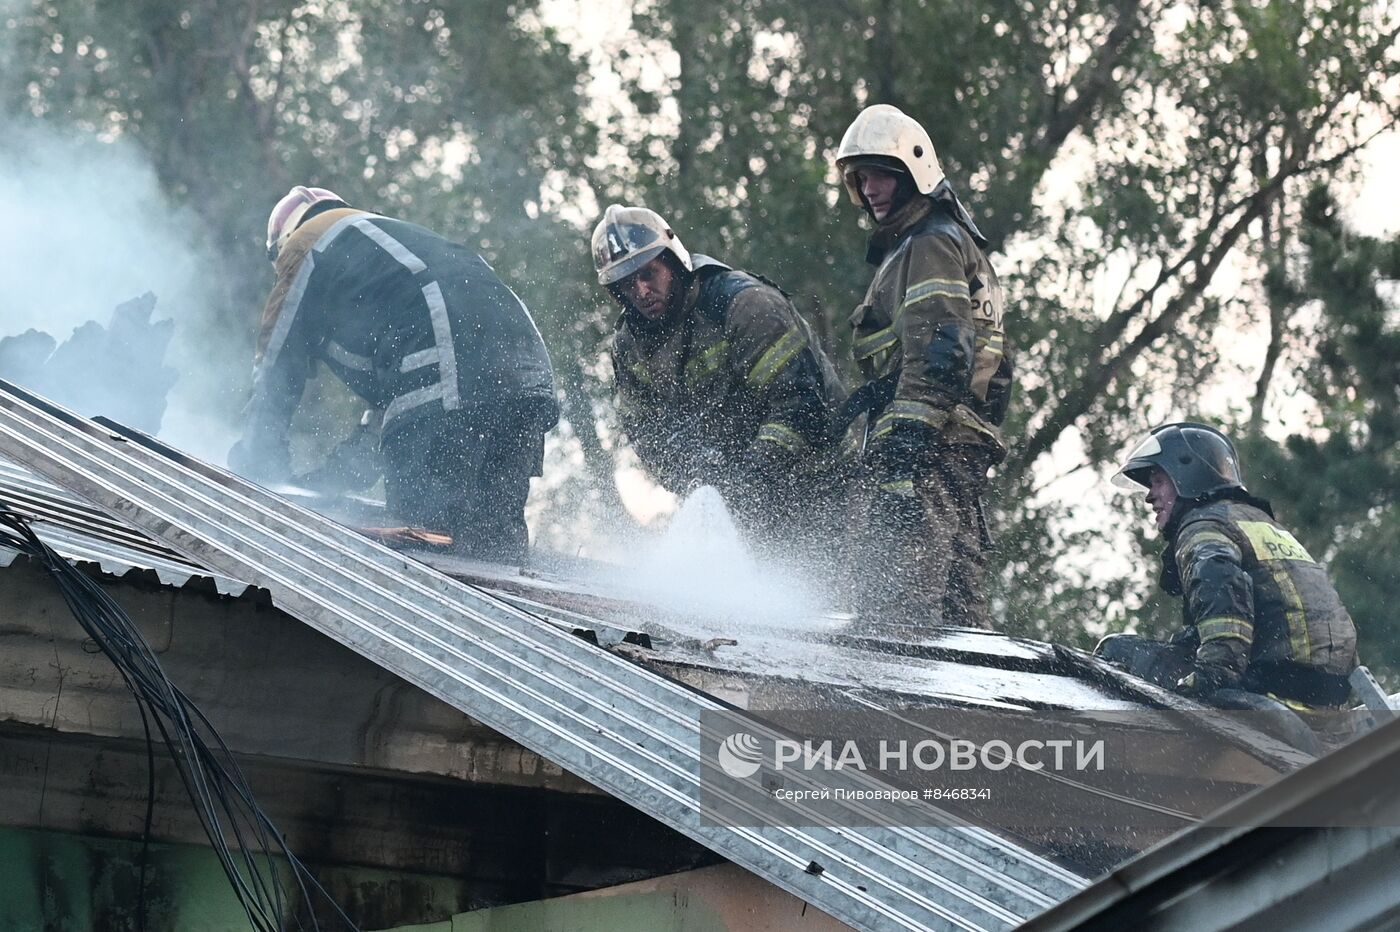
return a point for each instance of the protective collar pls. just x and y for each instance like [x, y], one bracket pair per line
[1184, 506]
[888, 233]
[1170, 579]
[944, 195]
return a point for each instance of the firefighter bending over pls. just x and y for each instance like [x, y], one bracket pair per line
[429, 336]
[1259, 613]
[719, 381]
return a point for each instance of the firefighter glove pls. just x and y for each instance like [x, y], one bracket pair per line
[1204, 680]
[261, 460]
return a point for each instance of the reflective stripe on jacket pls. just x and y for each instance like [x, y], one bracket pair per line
[410, 321]
[1258, 601]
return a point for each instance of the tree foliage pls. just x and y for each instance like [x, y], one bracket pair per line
[1340, 481]
[1141, 168]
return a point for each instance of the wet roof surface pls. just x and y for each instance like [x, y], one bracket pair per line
[826, 650]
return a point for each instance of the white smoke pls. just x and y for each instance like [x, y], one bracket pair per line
[87, 227]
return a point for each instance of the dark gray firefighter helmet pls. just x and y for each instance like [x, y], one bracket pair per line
[1200, 461]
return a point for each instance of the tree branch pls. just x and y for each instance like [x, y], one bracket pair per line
[1059, 119]
[1207, 259]
[1090, 84]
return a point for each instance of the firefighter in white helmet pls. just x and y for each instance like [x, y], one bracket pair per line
[718, 379]
[930, 343]
[427, 334]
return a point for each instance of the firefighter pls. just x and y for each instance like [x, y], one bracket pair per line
[431, 338]
[929, 342]
[719, 381]
[1260, 613]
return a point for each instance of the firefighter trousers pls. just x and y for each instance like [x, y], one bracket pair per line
[467, 473]
[921, 544]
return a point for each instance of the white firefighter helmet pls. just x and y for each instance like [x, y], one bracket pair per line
[627, 238]
[283, 220]
[882, 135]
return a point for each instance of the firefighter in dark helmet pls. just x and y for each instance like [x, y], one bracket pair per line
[1259, 613]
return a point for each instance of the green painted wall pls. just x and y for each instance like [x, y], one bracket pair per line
[57, 882]
[54, 882]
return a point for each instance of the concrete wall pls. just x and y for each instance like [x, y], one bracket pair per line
[407, 809]
[269, 683]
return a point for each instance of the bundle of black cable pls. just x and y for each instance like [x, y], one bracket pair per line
[245, 840]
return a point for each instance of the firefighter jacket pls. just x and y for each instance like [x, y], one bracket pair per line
[735, 376]
[413, 323]
[932, 324]
[1264, 613]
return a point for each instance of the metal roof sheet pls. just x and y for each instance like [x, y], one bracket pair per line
[85, 534]
[972, 667]
[1317, 849]
[631, 732]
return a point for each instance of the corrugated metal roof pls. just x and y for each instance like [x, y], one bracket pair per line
[85, 534]
[625, 729]
[853, 667]
[1316, 850]
[981, 668]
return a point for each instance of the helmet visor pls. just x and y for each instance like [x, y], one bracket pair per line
[1142, 457]
[890, 164]
[621, 248]
[618, 269]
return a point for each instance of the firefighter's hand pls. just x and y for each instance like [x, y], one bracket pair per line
[709, 466]
[353, 466]
[903, 450]
[1203, 681]
[1186, 637]
[702, 466]
[240, 457]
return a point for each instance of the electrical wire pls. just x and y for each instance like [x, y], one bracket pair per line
[243, 838]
